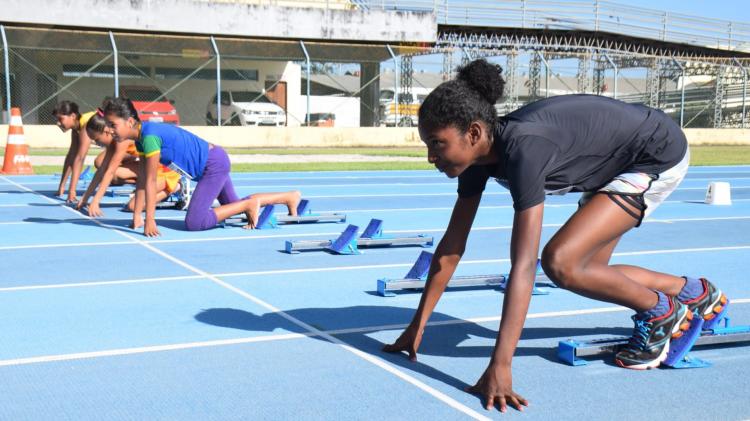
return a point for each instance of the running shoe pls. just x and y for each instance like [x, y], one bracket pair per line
[649, 345]
[711, 305]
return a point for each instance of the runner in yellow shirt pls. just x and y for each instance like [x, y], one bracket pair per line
[69, 118]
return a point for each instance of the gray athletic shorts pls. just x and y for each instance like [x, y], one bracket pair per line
[643, 191]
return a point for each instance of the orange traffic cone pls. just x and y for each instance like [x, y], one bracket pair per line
[16, 150]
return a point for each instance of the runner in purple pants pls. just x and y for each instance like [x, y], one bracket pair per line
[193, 157]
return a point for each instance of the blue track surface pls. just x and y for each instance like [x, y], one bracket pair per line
[99, 322]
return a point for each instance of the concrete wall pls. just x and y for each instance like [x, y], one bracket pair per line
[345, 108]
[718, 136]
[225, 18]
[51, 136]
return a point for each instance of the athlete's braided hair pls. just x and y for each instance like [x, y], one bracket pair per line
[468, 98]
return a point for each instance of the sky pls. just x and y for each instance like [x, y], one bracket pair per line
[734, 10]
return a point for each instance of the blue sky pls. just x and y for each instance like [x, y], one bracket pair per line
[735, 10]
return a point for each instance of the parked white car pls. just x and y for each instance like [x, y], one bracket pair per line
[246, 108]
[406, 114]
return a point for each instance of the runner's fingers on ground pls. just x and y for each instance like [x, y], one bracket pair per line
[517, 401]
[406, 342]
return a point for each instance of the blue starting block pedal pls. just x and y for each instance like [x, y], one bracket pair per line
[349, 243]
[86, 176]
[571, 351]
[267, 219]
[417, 276]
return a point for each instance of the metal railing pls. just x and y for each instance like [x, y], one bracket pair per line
[604, 16]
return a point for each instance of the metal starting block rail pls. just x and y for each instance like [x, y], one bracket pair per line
[349, 243]
[416, 278]
[120, 191]
[571, 351]
[267, 219]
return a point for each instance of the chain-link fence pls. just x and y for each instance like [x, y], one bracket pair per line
[695, 93]
[201, 80]
[194, 80]
[47, 66]
[257, 84]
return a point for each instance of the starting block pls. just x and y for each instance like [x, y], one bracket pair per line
[120, 191]
[86, 174]
[86, 177]
[417, 276]
[267, 219]
[349, 243]
[571, 351]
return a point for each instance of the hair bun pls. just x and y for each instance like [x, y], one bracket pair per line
[483, 77]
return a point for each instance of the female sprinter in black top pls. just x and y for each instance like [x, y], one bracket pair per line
[625, 158]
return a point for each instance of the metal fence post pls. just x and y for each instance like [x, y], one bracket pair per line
[614, 66]
[682, 91]
[218, 81]
[744, 89]
[546, 74]
[729, 42]
[596, 15]
[116, 74]
[6, 66]
[307, 72]
[396, 79]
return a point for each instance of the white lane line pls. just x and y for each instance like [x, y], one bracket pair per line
[361, 354]
[400, 195]
[467, 262]
[146, 349]
[356, 175]
[63, 245]
[303, 187]
[333, 234]
[250, 184]
[436, 175]
[290, 336]
[453, 194]
[441, 183]
[101, 283]
[509, 206]
[341, 268]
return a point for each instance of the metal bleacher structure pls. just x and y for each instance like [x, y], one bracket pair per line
[696, 67]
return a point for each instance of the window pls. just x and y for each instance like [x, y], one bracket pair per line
[143, 94]
[102, 71]
[205, 74]
[386, 96]
[249, 96]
